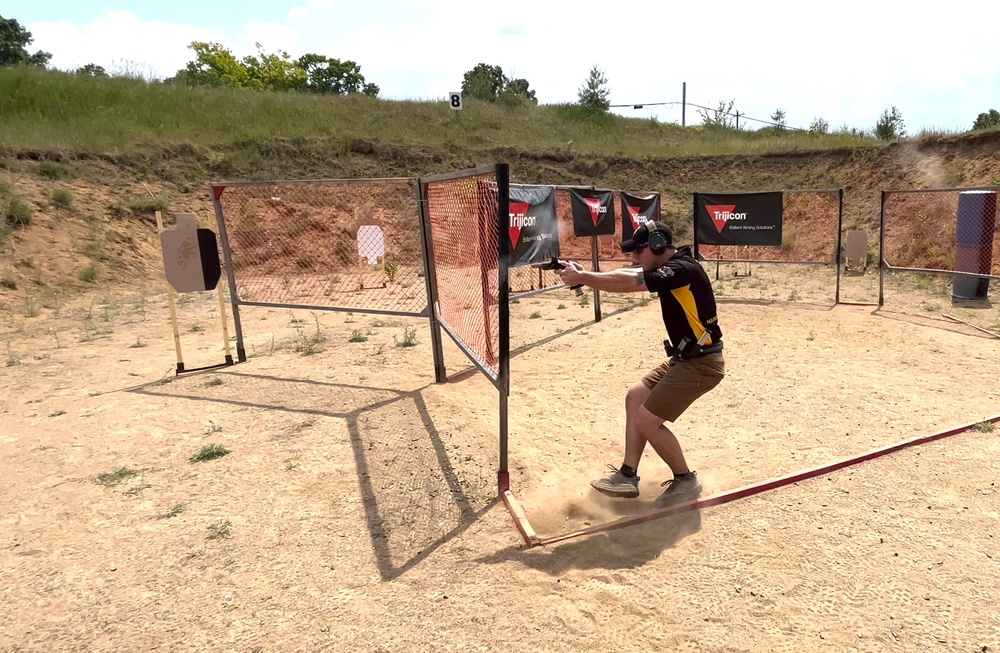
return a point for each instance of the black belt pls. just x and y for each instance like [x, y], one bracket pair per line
[705, 351]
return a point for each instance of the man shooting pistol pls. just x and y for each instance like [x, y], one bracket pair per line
[694, 362]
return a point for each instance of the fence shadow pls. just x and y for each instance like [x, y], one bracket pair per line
[935, 322]
[415, 497]
[625, 548]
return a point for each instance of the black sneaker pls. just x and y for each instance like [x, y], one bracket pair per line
[617, 485]
[679, 490]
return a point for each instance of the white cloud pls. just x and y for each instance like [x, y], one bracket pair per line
[120, 40]
[845, 65]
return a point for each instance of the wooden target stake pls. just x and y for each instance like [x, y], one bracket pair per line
[225, 328]
[173, 308]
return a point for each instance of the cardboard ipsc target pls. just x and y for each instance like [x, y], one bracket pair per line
[190, 256]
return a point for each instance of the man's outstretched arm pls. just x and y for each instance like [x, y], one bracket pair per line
[621, 280]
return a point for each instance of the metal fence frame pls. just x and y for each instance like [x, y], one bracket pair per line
[501, 378]
[218, 188]
[884, 265]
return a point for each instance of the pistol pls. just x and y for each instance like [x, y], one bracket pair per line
[554, 264]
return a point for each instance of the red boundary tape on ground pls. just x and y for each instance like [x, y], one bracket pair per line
[521, 520]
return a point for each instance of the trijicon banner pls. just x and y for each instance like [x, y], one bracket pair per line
[636, 210]
[738, 219]
[593, 212]
[533, 227]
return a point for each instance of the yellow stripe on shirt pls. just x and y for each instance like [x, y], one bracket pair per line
[685, 298]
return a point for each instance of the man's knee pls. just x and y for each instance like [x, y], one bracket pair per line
[647, 421]
[636, 396]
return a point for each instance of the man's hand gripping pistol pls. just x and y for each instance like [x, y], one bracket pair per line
[554, 264]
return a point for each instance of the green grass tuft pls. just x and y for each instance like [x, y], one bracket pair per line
[116, 477]
[209, 452]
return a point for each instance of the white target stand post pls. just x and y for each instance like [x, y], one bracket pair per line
[191, 263]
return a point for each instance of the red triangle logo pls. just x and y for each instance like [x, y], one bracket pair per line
[594, 204]
[518, 212]
[635, 215]
[719, 214]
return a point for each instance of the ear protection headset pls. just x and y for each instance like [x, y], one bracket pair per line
[658, 241]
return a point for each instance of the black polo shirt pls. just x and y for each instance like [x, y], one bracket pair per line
[687, 301]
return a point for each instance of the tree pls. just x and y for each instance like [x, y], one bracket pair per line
[490, 84]
[890, 125]
[517, 92]
[819, 126]
[987, 120]
[334, 77]
[593, 95]
[215, 65]
[778, 118]
[484, 82]
[721, 117]
[274, 72]
[91, 70]
[14, 40]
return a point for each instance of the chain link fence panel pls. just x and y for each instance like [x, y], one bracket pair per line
[462, 215]
[334, 244]
[941, 255]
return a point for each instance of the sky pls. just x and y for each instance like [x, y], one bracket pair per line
[844, 62]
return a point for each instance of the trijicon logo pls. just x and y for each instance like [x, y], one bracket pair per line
[519, 218]
[596, 210]
[636, 216]
[721, 214]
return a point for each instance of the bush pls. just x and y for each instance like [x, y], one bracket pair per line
[987, 120]
[150, 205]
[62, 198]
[17, 213]
[578, 113]
[88, 274]
[391, 267]
[53, 170]
[819, 126]
[890, 125]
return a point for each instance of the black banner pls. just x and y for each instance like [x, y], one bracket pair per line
[636, 210]
[593, 212]
[533, 227]
[738, 219]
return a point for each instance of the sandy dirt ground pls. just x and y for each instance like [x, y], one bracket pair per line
[356, 507]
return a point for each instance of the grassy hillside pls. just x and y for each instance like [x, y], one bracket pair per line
[50, 111]
[85, 162]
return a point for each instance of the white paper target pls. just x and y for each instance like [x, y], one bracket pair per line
[371, 243]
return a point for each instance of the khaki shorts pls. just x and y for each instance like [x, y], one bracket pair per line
[675, 385]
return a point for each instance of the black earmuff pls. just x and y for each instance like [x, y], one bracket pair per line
[658, 241]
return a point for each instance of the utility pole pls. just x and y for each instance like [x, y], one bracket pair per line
[684, 95]
[738, 120]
